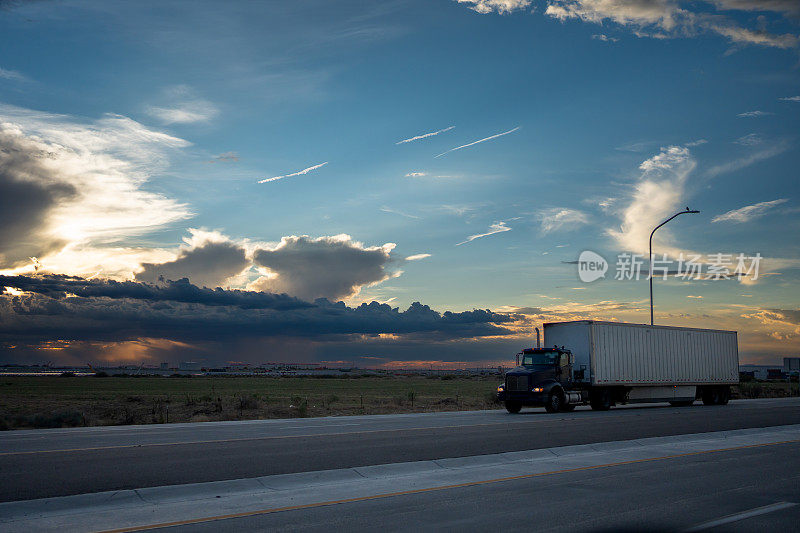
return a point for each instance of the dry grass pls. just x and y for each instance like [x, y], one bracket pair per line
[41, 401]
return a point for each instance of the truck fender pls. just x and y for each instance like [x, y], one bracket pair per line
[550, 386]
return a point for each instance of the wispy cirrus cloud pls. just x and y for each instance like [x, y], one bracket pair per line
[417, 257]
[562, 219]
[13, 75]
[416, 174]
[503, 7]
[298, 173]
[387, 209]
[750, 159]
[183, 106]
[473, 143]
[751, 139]
[225, 157]
[663, 19]
[749, 212]
[497, 227]
[605, 38]
[754, 114]
[790, 99]
[425, 135]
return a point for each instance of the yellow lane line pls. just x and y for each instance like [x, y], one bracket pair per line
[431, 489]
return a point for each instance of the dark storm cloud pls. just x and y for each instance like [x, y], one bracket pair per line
[207, 265]
[28, 196]
[112, 311]
[326, 267]
[58, 286]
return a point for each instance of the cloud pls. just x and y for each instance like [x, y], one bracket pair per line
[748, 160]
[503, 7]
[208, 260]
[749, 212]
[225, 157]
[790, 99]
[107, 311]
[416, 174]
[386, 209]
[298, 173]
[497, 227]
[12, 75]
[753, 114]
[70, 191]
[562, 218]
[417, 257]
[751, 139]
[185, 107]
[479, 141]
[59, 287]
[334, 267]
[658, 193]
[662, 19]
[425, 135]
[604, 38]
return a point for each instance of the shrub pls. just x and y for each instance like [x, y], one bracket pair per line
[411, 397]
[246, 403]
[59, 419]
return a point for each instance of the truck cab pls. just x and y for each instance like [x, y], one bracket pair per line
[544, 377]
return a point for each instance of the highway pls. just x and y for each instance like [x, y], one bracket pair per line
[49, 463]
[744, 490]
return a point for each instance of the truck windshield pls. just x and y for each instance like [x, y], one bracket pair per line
[540, 358]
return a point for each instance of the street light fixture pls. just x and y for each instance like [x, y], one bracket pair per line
[651, 255]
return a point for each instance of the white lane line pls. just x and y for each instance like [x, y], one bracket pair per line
[741, 516]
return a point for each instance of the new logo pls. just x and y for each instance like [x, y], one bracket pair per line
[591, 266]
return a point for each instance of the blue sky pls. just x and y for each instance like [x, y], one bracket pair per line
[625, 113]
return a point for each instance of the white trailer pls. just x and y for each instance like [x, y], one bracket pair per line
[605, 363]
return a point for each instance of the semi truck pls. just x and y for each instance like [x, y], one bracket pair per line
[602, 364]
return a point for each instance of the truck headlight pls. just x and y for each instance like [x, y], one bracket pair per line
[537, 389]
[501, 388]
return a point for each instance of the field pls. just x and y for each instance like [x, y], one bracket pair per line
[60, 401]
[64, 401]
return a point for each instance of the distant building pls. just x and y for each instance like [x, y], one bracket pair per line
[188, 365]
[759, 371]
[164, 366]
[791, 364]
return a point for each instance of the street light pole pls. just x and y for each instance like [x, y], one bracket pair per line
[651, 255]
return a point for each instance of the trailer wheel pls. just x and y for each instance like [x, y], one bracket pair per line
[711, 396]
[600, 400]
[555, 402]
[513, 407]
[724, 395]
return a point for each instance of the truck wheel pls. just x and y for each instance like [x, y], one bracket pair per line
[568, 408]
[554, 403]
[711, 396]
[513, 407]
[724, 395]
[600, 400]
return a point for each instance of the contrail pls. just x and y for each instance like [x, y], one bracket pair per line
[424, 135]
[497, 227]
[300, 173]
[478, 142]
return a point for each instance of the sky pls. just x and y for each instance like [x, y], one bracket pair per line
[391, 183]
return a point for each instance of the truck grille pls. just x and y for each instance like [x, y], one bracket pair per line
[516, 383]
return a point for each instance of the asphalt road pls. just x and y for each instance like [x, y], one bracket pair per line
[45, 463]
[743, 490]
